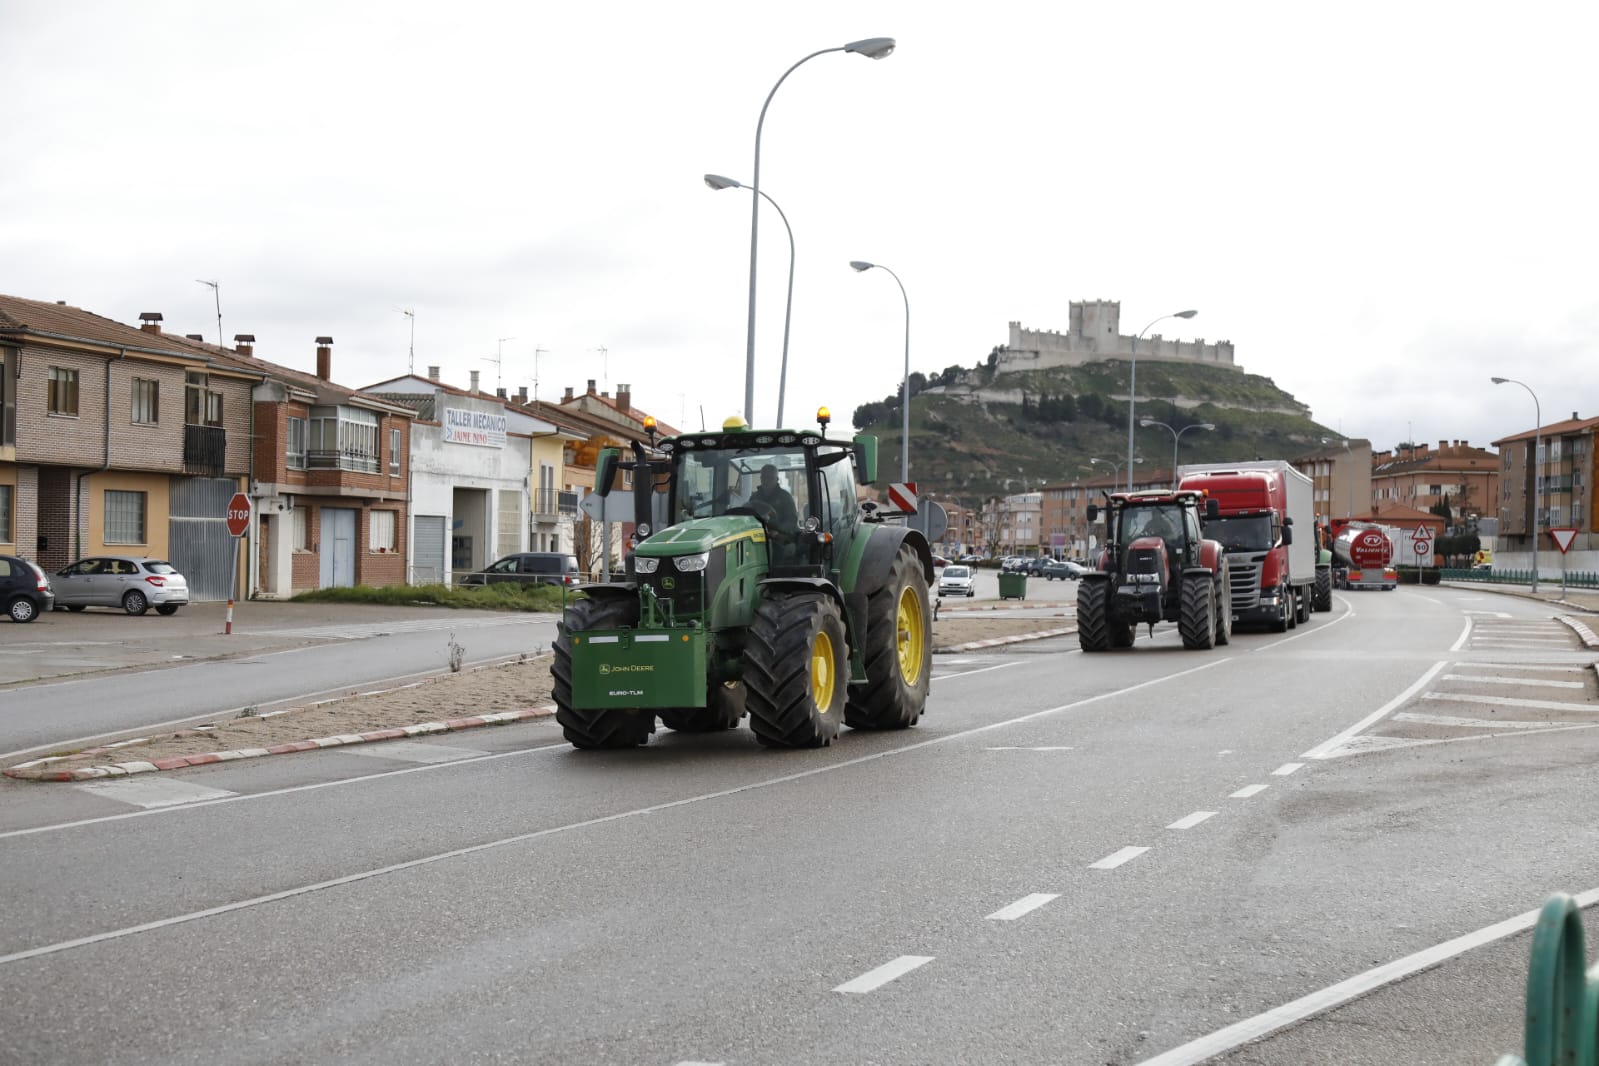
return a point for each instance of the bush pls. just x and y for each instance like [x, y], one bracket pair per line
[505, 596]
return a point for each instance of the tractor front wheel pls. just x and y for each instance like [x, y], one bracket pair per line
[1196, 619]
[898, 649]
[1224, 610]
[796, 666]
[1093, 627]
[610, 728]
[1322, 600]
[724, 706]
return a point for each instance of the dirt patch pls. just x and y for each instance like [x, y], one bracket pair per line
[523, 685]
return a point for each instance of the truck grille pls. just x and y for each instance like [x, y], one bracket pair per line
[1245, 570]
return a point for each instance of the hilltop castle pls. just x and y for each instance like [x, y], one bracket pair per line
[1095, 334]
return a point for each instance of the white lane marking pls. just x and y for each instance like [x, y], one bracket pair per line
[1509, 701]
[1468, 723]
[1308, 633]
[1225, 751]
[1465, 636]
[1525, 642]
[1490, 614]
[1025, 905]
[1521, 666]
[150, 792]
[1367, 745]
[1243, 1032]
[885, 973]
[414, 751]
[1040, 748]
[1526, 682]
[1287, 768]
[980, 670]
[1116, 858]
[1192, 820]
[1323, 750]
[697, 1062]
[1428, 599]
[1247, 791]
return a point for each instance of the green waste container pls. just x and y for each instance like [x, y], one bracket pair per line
[1013, 586]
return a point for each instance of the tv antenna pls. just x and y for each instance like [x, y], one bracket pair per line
[605, 363]
[216, 291]
[498, 360]
[536, 353]
[410, 366]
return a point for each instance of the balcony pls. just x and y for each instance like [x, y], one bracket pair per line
[548, 504]
[362, 462]
[205, 450]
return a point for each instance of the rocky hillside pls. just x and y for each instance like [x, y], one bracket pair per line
[977, 433]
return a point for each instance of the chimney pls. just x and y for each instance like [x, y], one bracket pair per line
[624, 398]
[194, 337]
[568, 397]
[521, 394]
[324, 358]
[150, 321]
[433, 373]
[591, 386]
[605, 394]
[244, 343]
[474, 382]
[499, 394]
[1574, 416]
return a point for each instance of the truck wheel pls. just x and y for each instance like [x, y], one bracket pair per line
[1302, 605]
[614, 728]
[796, 667]
[1093, 629]
[1324, 586]
[1196, 619]
[1224, 609]
[1285, 612]
[724, 706]
[898, 653]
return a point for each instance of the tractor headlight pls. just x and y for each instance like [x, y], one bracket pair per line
[690, 563]
[812, 523]
[642, 565]
[643, 530]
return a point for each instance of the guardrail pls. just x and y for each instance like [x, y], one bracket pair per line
[1581, 579]
[1562, 1000]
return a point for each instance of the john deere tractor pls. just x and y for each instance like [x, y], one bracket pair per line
[1156, 567]
[757, 585]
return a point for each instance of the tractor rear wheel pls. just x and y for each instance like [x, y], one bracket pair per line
[1324, 583]
[796, 667]
[724, 706]
[1196, 619]
[610, 728]
[1093, 628]
[898, 650]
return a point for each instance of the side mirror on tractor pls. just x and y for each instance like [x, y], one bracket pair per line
[1212, 508]
[605, 470]
[1093, 512]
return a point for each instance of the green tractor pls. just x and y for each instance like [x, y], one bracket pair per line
[757, 584]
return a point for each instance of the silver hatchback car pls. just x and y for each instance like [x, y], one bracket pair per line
[131, 582]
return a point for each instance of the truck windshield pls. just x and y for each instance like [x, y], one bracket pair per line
[1252, 533]
[769, 480]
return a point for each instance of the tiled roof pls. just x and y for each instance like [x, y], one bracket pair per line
[1570, 425]
[326, 392]
[19, 315]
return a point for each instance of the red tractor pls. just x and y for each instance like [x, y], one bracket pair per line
[1155, 567]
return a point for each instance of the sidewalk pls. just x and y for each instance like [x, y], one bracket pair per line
[1586, 600]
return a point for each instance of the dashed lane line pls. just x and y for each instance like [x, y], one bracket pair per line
[885, 973]
[1025, 905]
[1247, 791]
[1287, 768]
[1117, 858]
[1192, 820]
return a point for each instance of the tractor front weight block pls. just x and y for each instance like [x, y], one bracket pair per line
[638, 668]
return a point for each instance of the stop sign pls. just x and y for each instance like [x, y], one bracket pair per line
[238, 514]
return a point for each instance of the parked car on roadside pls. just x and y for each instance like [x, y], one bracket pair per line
[1064, 569]
[24, 589]
[527, 568]
[1014, 564]
[957, 581]
[132, 583]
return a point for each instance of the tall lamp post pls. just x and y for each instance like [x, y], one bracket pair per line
[717, 182]
[1537, 474]
[1116, 468]
[1176, 435]
[872, 48]
[905, 389]
[1132, 386]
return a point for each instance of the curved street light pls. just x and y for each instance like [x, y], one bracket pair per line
[1537, 474]
[718, 182]
[1116, 469]
[870, 47]
[1132, 386]
[1176, 435]
[860, 265]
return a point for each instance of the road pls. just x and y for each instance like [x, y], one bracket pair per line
[1074, 859]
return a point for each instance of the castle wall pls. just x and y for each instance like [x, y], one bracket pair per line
[1094, 333]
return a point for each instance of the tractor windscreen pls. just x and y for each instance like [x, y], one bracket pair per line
[769, 481]
[1243, 534]
[1165, 522]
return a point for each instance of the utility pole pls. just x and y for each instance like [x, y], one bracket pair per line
[216, 291]
[410, 366]
[498, 360]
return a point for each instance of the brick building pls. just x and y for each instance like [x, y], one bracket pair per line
[1422, 477]
[1552, 490]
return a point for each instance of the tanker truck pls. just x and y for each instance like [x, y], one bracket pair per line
[1275, 576]
[1363, 556]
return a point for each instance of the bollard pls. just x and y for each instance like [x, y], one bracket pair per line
[227, 630]
[1562, 1000]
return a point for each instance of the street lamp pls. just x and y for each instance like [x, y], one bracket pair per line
[872, 48]
[1176, 435]
[716, 181]
[905, 394]
[1132, 386]
[1537, 474]
[1115, 470]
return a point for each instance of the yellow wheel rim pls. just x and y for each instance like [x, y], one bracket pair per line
[912, 635]
[823, 669]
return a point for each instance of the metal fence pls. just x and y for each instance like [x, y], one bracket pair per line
[1582, 579]
[1562, 1001]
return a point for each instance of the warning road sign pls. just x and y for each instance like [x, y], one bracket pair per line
[902, 496]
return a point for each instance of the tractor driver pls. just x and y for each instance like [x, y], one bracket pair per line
[772, 498]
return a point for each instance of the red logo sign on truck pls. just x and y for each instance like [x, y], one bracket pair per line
[1370, 548]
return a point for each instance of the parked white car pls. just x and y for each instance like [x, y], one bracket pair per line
[957, 581]
[130, 582]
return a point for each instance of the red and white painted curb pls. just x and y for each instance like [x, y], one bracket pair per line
[39, 769]
[1579, 627]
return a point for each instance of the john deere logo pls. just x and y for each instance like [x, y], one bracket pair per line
[605, 668]
[642, 668]
[669, 582]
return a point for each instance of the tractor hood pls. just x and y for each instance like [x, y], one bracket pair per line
[701, 535]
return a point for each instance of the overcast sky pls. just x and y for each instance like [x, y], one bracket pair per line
[1381, 205]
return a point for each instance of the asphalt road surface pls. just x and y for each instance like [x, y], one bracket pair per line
[1117, 858]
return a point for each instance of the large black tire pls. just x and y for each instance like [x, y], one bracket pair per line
[796, 668]
[1122, 634]
[1322, 600]
[724, 706]
[1196, 619]
[1224, 609]
[1093, 627]
[1285, 611]
[614, 728]
[898, 650]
